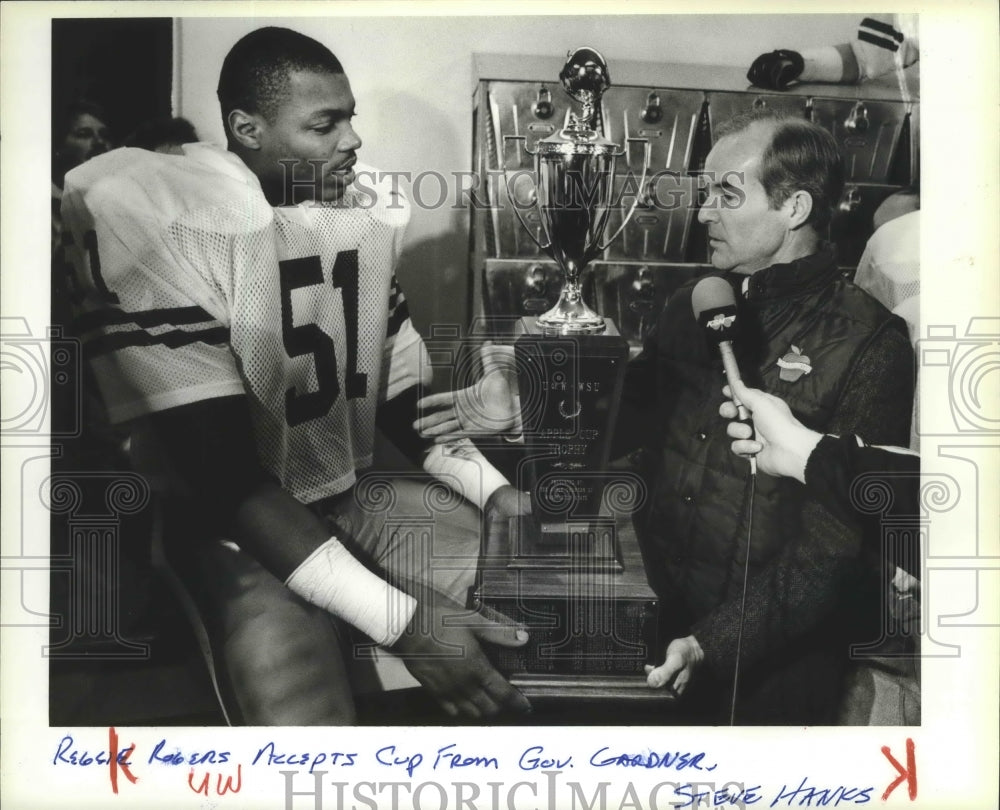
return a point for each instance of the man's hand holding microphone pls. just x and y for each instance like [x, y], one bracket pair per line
[780, 442]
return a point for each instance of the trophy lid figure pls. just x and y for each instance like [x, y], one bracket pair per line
[585, 77]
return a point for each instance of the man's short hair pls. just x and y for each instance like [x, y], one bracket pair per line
[162, 132]
[801, 156]
[255, 73]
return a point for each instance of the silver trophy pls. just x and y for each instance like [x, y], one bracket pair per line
[574, 178]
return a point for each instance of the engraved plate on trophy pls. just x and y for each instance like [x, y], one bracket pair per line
[570, 388]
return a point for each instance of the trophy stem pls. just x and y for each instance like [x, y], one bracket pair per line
[570, 315]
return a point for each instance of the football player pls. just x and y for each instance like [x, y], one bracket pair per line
[243, 304]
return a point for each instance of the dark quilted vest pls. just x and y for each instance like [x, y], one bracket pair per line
[695, 537]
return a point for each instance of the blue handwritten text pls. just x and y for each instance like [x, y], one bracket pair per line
[69, 755]
[177, 757]
[534, 758]
[732, 793]
[678, 760]
[341, 759]
[805, 795]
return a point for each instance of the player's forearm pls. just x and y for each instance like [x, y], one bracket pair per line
[209, 448]
[310, 558]
[278, 530]
[461, 466]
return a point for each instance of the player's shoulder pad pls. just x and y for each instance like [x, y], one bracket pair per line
[166, 187]
[110, 167]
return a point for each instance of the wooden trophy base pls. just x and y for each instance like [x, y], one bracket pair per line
[590, 624]
[571, 572]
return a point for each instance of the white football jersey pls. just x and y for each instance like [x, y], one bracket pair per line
[192, 286]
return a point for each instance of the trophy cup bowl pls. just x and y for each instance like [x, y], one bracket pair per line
[574, 179]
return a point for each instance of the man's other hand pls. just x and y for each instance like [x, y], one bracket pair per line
[440, 648]
[683, 657]
[489, 407]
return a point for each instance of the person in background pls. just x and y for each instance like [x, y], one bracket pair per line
[79, 132]
[885, 43]
[889, 268]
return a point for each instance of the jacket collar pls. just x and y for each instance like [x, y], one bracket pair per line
[791, 279]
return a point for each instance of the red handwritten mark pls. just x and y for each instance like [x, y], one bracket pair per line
[221, 789]
[909, 773]
[203, 788]
[114, 764]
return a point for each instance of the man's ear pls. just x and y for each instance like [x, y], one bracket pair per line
[798, 207]
[245, 129]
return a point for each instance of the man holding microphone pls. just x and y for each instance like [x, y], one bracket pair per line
[829, 466]
[837, 471]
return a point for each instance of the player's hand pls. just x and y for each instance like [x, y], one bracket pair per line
[683, 657]
[507, 501]
[782, 444]
[489, 407]
[776, 70]
[440, 648]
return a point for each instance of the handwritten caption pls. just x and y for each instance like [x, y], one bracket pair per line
[221, 772]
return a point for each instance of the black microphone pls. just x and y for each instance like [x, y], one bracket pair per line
[714, 306]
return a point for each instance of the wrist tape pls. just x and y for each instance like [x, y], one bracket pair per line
[461, 466]
[331, 578]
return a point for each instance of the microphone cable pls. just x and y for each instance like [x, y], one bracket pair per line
[713, 304]
[752, 485]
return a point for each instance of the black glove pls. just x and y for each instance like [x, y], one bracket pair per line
[776, 70]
